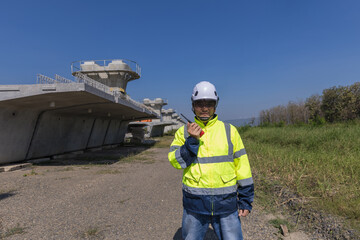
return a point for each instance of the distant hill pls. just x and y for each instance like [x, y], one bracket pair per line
[243, 121]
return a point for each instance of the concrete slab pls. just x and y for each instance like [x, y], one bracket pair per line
[14, 167]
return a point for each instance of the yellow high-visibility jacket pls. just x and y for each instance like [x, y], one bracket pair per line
[217, 177]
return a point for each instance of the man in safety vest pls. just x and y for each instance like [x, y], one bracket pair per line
[217, 182]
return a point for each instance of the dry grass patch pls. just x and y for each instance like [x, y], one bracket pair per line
[12, 231]
[164, 142]
[65, 169]
[92, 232]
[32, 173]
[108, 171]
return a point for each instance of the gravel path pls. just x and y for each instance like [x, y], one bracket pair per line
[134, 198]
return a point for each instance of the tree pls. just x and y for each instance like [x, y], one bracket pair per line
[348, 104]
[336, 104]
[355, 90]
[297, 112]
[331, 104]
[264, 117]
[313, 105]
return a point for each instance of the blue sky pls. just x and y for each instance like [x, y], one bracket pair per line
[259, 54]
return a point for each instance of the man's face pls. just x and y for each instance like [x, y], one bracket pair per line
[204, 108]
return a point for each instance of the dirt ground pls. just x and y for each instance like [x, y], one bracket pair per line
[129, 192]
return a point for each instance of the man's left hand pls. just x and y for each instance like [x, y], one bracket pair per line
[243, 212]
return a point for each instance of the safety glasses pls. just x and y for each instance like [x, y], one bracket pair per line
[204, 103]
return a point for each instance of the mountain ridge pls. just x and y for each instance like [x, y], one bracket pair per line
[254, 121]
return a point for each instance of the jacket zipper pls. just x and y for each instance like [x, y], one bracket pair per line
[212, 189]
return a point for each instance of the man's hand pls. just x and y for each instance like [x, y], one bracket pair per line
[194, 130]
[243, 212]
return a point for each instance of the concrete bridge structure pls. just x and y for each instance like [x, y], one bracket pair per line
[156, 127]
[178, 121]
[169, 121]
[57, 115]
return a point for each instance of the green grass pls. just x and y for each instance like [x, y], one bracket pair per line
[91, 232]
[321, 164]
[32, 173]
[164, 142]
[278, 222]
[124, 200]
[12, 231]
[171, 133]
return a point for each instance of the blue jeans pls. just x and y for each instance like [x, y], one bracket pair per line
[226, 226]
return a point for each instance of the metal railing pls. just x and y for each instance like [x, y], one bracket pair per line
[42, 79]
[85, 79]
[61, 79]
[140, 104]
[82, 78]
[103, 65]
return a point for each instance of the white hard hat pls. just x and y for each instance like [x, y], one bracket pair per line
[204, 90]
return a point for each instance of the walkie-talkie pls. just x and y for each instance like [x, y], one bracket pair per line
[202, 132]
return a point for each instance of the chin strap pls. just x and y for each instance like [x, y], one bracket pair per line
[205, 119]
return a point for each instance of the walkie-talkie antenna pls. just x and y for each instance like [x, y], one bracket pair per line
[202, 132]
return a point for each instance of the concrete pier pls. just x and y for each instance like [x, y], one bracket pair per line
[156, 126]
[167, 116]
[114, 73]
[156, 105]
[178, 121]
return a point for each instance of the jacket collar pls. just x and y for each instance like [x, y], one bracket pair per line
[209, 123]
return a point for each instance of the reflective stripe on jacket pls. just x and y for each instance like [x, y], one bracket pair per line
[216, 169]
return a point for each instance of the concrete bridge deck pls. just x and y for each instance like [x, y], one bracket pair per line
[47, 119]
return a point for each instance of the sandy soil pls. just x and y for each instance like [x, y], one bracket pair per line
[123, 193]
